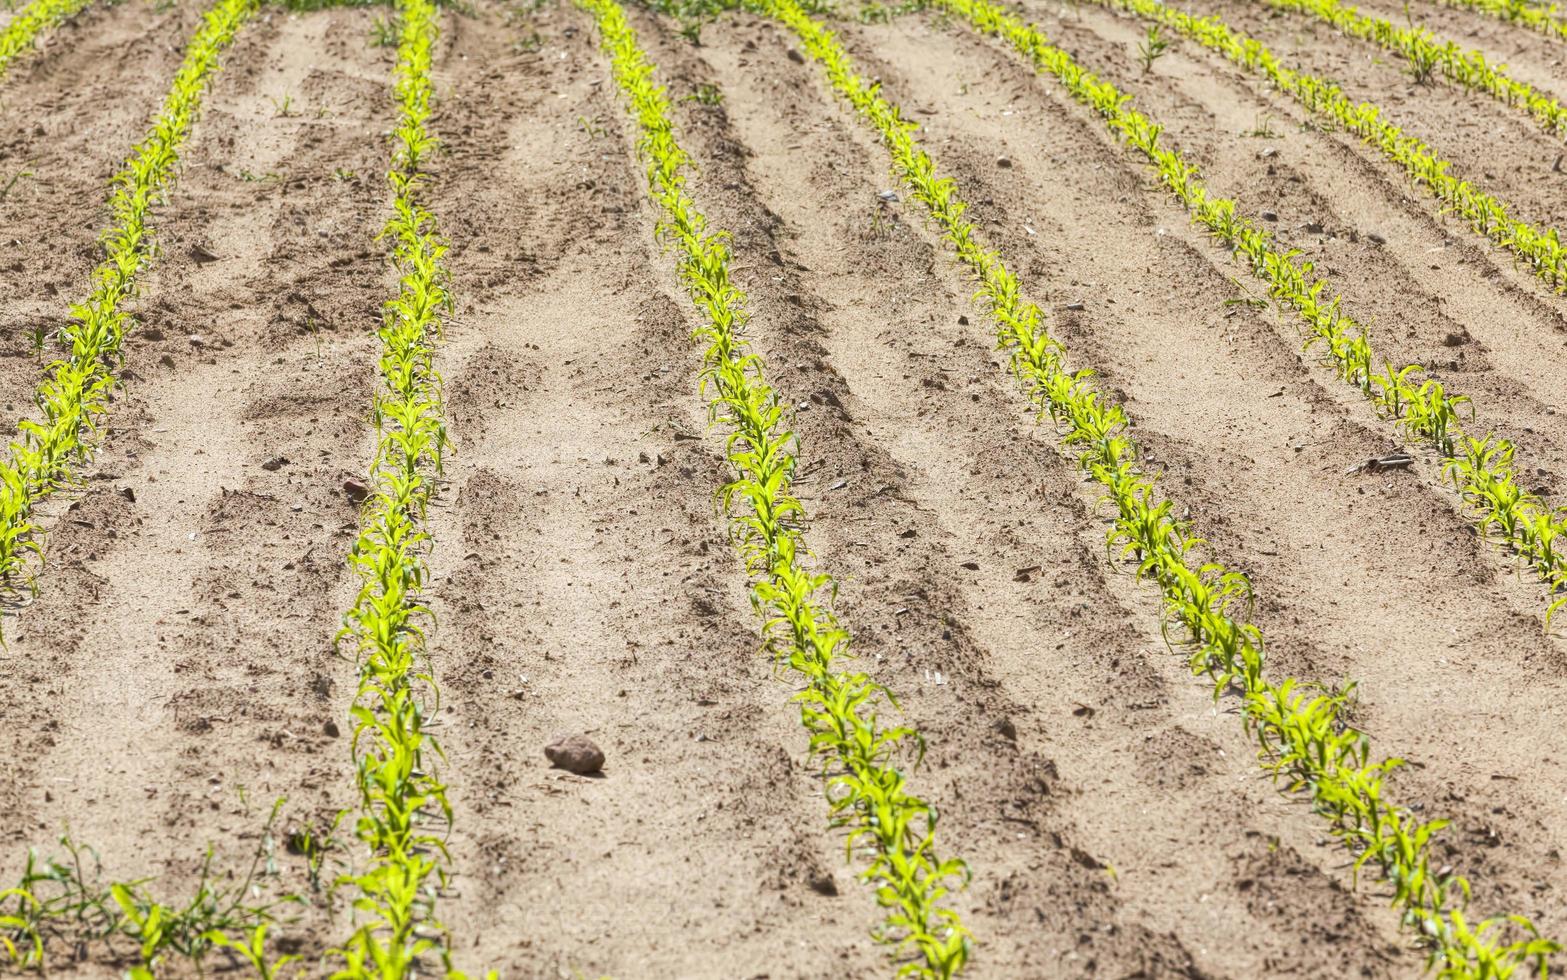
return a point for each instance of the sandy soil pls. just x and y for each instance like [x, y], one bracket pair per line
[176, 673]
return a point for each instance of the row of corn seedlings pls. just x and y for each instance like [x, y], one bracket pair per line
[867, 792]
[17, 37]
[1542, 17]
[74, 395]
[1304, 741]
[1481, 470]
[403, 813]
[1427, 55]
[1541, 251]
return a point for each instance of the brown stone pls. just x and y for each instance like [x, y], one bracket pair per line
[575, 753]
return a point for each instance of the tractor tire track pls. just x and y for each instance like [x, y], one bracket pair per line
[583, 581]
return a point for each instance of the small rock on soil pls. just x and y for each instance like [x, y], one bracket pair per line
[575, 753]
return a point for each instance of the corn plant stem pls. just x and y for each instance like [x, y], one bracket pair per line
[1481, 470]
[403, 812]
[1544, 18]
[19, 36]
[1304, 741]
[1427, 54]
[1540, 250]
[889, 827]
[74, 395]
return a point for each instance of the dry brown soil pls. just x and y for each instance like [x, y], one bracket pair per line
[176, 673]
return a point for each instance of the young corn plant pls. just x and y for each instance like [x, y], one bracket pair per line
[1540, 251]
[1428, 56]
[18, 37]
[403, 813]
[893, 831]
[1420, 405]
[1304, 740]
[74, 395]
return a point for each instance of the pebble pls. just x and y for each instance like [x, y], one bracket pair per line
[1270, 216]
[1004, 162]
[1376, 239]
[796, 57]
[1314, 227]
[575, 753]
[356, 490]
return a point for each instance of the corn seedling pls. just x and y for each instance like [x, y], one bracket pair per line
[867, 792]
[1427, 56]
[1304, 741]
[252, 950]
[74, 396]
[18, 36]
[1540, 251]
[403, 812]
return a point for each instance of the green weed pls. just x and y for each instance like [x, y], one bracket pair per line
[1152, 47]
[707, 94]
[63, 902]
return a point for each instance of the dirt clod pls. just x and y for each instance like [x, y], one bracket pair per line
[822, 883]
[575, 753]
